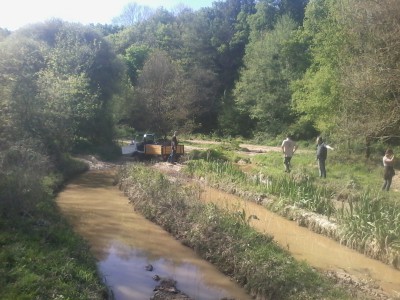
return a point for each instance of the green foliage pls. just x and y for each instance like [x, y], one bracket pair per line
[22, 170]
[368, 83]
[262, 92]
[369, 221]
[232, 121]
[42, 258]
[294, 8]
[125, 132]
[208, 155]
[371, 218]
[58, 82]
[263, 19]
[298, 190]
[70, 167]
[165, 94]
[135, 57]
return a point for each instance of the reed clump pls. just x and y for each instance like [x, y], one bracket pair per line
[368, 222]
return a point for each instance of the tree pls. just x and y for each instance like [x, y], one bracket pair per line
[21, 59]
[4, 33]
[294, 8]
[166, 95]
[135, 57]
[132, 14]
[317, 96]
[81, 56]
[58, 80]
[371, 77]
[263, 91]
[228, 26]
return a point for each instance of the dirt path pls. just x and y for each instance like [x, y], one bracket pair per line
[250, 147]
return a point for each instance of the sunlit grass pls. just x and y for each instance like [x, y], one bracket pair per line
[40, 255]
[45, 261]
[289, 189]
[372, 219]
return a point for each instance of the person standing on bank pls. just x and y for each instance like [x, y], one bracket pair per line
[174, 144]
[322, 154]
[388, 173]
[288, 149]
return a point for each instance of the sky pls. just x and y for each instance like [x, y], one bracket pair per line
[18, 13]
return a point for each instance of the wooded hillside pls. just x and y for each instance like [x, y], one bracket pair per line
[238, 68]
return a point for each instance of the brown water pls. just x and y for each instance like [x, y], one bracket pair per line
[124, 243]
[319, 251]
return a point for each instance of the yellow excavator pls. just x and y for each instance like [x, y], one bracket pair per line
[147, 146]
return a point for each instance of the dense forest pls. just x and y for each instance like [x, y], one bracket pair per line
[238, 68]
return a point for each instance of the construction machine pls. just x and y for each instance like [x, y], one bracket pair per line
[147, 146]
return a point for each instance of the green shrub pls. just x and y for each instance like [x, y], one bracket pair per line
[22, 170]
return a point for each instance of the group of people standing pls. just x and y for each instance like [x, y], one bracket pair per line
[289, 147]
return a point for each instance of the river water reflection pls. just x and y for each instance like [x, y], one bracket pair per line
[124, 243]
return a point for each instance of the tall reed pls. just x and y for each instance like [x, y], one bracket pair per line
[371, 218]
[290, 191]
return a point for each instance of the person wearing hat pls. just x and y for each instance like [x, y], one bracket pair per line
[174, 144]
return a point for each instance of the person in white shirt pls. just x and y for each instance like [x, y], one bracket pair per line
[289, 147]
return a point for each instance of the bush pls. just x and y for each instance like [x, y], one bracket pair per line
[22, 171]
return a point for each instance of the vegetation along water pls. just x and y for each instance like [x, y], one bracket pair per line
[239, 71]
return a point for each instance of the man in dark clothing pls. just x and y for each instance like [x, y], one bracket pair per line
[174, 144]
[322, 153]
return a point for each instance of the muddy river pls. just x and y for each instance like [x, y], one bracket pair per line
[124, 243]
[319, 251]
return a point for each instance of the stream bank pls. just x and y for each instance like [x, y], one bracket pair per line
[137, 259]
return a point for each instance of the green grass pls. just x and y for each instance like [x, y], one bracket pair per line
[40, 256]
[372, 218]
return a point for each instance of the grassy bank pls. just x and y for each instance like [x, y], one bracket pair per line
[40, 256]
[368, 219]
[254, 260]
